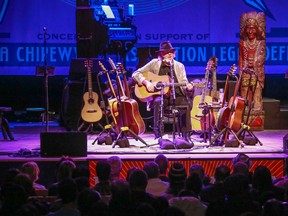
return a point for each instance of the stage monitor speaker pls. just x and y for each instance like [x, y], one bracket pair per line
[285, 144]
[57, 144]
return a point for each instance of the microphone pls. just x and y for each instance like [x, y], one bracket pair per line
[168, 62]
[45, 29]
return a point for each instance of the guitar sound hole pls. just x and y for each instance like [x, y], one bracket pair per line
[91, 101]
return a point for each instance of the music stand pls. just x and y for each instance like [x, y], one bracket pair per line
[46, 71]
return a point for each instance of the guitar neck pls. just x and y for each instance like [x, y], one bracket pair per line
[108, 79]
[119, 81]
[214, 87]
[89, 77]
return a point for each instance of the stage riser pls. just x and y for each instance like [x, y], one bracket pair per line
[275, 117]
[276, 166]
[48, 167]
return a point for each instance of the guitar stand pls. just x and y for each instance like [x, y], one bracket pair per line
[108, 139]
[252, 140]
[122, 140]
[89, 129]
[224, 141]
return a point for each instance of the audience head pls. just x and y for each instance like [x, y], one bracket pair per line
[81, 171]
[236, 185]
[120, 190]
[138, 180]
[222, 171]
[130, 171]
[145, 209]
[86, 199]
[241, 157]
[103, 170]
[262, 178]
[68, 190]
[25, 181]
[162, 162]
[177, 174]
[151, 169]
[193, 183]
[65, 169]
[31, 168]
[116, 166]
[13, 197]
[197, 168]
[241, 167]
[10, 175]
[273, 207]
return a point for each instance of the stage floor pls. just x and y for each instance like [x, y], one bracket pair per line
[27, 136]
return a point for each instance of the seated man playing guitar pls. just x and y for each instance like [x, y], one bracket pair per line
[163, 66]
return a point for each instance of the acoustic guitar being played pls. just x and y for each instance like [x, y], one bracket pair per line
[144, 95]
[91, 111]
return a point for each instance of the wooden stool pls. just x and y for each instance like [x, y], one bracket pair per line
[4, 124]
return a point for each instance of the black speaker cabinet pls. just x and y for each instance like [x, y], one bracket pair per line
[57, 144]
[285, 144]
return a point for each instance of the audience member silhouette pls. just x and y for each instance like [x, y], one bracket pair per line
[143, 193]
[25, 181]
[262, 186]
[238, 199]
[155, 185]
[138, 182]
[177, 177]
[103, 171]
[215, 192]
[198, 168]
[64, 171]
[67, 190]
[274, 207]
[86, 199]
[162, 162]
[116, 167]
[187, 199]
[13, 196]
[32, 169]
[120, 202]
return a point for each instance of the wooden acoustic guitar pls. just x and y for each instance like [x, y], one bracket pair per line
[128, 115]
[198, 119]
[237, 106]
[91, 111]
[232, 114]
[144, 95]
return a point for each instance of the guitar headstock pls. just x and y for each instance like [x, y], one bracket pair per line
[121, 68]
[88, 63]
[232, 70]
[102, 66]
[112, 64]
[212, 63]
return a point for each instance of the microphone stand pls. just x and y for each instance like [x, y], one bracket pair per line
[173, 98]
[46, 83]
